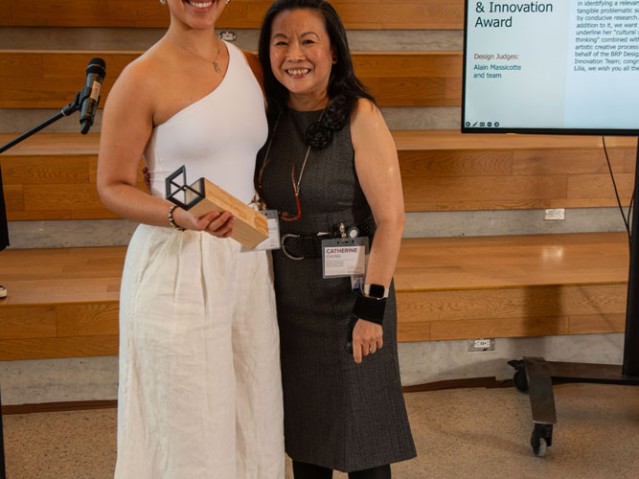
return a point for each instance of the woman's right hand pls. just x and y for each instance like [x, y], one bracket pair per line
[216, 223]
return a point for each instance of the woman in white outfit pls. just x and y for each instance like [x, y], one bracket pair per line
[200, 391]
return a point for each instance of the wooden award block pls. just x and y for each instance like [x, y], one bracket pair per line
[201, 197]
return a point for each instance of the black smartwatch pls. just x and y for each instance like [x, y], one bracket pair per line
[376, 291]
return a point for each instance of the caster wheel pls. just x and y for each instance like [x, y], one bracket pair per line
[539, 446]
[520, 380]
[541, 438]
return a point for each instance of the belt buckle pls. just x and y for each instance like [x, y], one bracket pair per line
[284, 250]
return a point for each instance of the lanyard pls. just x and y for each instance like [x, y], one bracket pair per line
[296, 184]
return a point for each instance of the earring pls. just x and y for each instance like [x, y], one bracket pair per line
[163, 2]
[228, 1]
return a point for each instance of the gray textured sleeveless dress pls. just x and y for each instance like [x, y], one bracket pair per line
[337, 414]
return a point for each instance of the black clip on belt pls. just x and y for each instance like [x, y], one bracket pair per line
[297, 247]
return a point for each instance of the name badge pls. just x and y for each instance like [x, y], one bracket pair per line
[273, 240]
[344, 257]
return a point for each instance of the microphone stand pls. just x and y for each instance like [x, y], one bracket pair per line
[72, 107]
[65, 111]
[3, 470]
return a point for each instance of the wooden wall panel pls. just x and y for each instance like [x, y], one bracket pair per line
[453, 164]
[512, 173]
[505, 303]
[482, 193]
[45, 348]
[66, 304]
[51, 79]
[28, 322]
[401, 14]
[612, 322]
[511, 312]
[518, 261]
[578, 161]
[58, 330]
[412, 79]
[356, 14]
[94, 319]
[52, 176]
[14, 198]
[48, 170]
[81, 197]
[600, 187]
[50, 186]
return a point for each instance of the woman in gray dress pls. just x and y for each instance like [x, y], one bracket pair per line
[331, 170]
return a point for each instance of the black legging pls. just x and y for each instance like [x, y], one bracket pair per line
[310, 471]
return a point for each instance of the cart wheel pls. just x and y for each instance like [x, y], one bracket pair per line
[541, 438]
[539, 446]
[520, 380]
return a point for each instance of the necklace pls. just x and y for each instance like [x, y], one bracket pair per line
[215, 64]
[285, 216]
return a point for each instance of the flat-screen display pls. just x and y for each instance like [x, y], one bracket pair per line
[559, 66]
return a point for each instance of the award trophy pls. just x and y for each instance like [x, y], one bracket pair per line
[202, 196]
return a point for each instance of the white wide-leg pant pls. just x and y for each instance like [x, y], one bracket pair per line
[199, 388]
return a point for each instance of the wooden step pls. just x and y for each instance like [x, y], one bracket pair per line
[51, 176]
[51, 79]
[512, 286]
[61, 303]
[64, 302]
[362, 14]
[450, 171]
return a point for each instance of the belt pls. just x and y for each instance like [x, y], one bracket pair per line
[299, 247]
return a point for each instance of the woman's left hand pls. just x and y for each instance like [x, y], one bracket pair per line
[367, 339]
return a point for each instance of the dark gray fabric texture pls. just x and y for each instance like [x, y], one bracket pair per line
[338, 414]
[4, 230]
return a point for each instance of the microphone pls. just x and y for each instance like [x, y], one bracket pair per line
[96, 71]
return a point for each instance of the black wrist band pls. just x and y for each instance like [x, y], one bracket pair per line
[370, 309]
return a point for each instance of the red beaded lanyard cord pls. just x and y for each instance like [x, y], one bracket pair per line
[285, 216]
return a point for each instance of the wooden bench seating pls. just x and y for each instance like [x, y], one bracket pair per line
[512, 286]
[448, 288]
[362, 14]
[51, 79]
[65, 304]
[62, 302]
[51, 176]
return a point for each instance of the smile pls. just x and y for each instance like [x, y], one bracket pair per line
[200, 4]
[298, 71]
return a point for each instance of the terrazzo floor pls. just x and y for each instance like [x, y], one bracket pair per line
[459, 433]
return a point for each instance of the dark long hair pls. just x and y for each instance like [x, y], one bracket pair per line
[344, 89]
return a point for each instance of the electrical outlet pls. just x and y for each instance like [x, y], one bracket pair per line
[485, 344]
[554, 214]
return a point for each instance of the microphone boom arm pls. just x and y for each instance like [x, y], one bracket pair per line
[65, 111]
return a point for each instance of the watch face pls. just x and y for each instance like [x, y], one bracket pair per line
[376, 290]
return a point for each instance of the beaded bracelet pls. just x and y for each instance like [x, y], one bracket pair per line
[172, 222]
